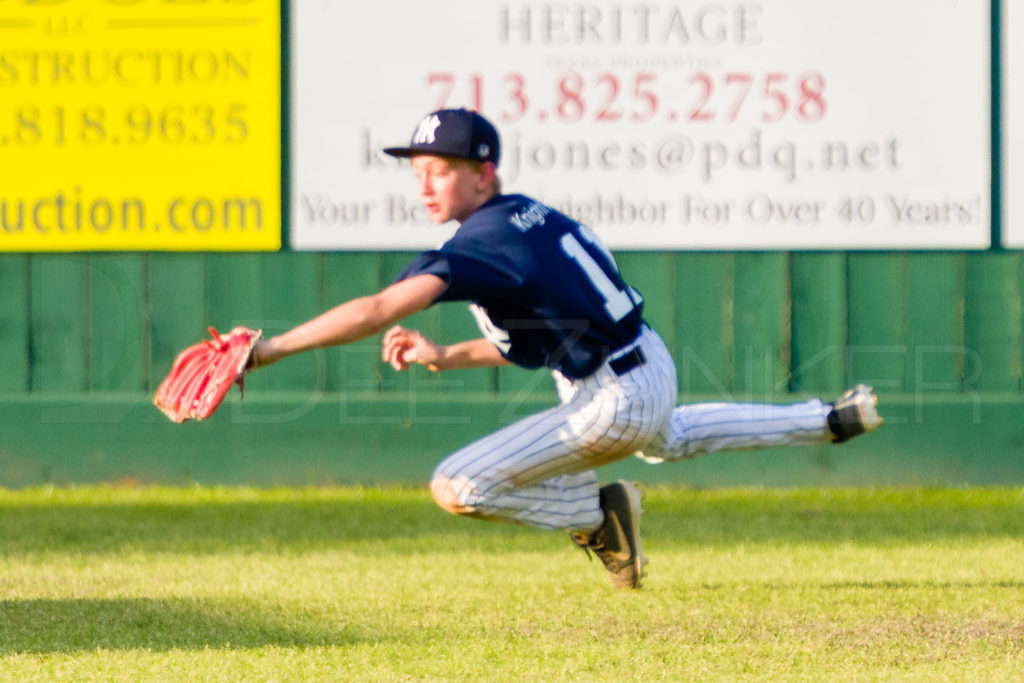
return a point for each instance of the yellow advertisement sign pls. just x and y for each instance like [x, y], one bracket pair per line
[140, 125]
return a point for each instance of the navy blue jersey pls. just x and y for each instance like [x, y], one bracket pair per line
[544, 289]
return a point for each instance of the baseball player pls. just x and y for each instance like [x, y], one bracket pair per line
[546, 292]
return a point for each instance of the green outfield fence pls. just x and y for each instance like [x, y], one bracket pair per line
[85, 338]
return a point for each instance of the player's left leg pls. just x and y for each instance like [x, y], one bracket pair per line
[539, 470]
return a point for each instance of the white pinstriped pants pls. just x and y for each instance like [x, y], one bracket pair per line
[540, 470]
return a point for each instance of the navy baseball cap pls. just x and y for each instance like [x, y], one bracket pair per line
[457, 133]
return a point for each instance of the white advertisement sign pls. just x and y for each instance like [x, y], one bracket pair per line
[795, 124]
[1013, 118]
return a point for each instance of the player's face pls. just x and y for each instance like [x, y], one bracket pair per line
[450, 189]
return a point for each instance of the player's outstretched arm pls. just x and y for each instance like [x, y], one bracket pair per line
[402, 347]
[352, 320]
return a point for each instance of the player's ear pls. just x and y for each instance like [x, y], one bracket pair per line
[488, 174]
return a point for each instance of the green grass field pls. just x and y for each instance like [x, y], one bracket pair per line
[340, 584]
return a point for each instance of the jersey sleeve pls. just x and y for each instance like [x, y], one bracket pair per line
[479, 274]
[431, 262]
[471, 271]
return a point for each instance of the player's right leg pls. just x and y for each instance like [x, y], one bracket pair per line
[701, 428]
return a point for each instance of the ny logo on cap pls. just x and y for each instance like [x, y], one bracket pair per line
[425, 131]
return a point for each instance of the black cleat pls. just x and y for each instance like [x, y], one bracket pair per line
[854, 413]
[617, 542]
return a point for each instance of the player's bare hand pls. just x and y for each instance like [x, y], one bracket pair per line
[402, 347]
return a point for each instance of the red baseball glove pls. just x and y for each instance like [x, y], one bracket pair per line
[203, 373]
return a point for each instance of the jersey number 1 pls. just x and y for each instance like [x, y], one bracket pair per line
[617, 303]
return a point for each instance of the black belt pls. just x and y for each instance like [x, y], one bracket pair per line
[628, 361]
